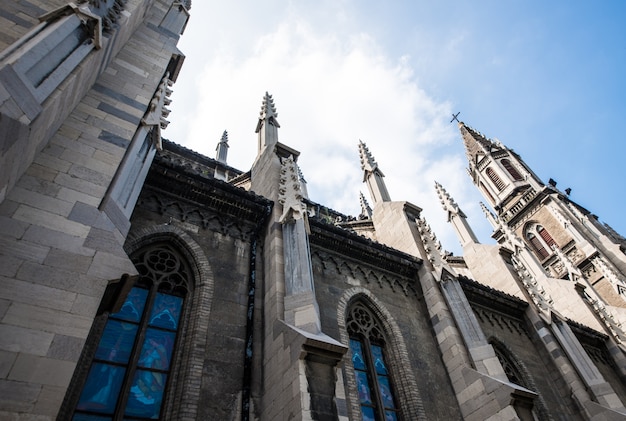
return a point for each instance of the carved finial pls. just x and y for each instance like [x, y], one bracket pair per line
[367, 160]
[537, 294]
[290, 192]
[573, 272]
[222, 148]
[267, 126]
[303, 187]
[448, 203]
[432, 246]
[157, 112]
[268, 110]
[493, 220]
[366, 211]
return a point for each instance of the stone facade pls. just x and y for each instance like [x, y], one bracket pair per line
[142, 280]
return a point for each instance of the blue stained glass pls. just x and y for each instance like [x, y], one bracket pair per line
[368, 413]
[379, 362]
[385, 392]
[89, 417]
[146, 393]
[363, 387]
[166, 311]
[157, 349]
[357, 354]
[133, 306]
[117, 341]
[101, 389]
[390, 416]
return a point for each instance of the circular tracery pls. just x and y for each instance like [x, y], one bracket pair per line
[162, 266]
[362, 322]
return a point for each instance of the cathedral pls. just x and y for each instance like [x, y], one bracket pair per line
[141, 280]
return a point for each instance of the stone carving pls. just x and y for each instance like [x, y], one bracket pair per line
[612, 325]
[156, 113]
[538, 295]
[429, 239]
[500, 320]
[290, 192]
[366, 211]
[609, 274]
[363, 275]
[109, 11]
[198, 216]
[447, 202]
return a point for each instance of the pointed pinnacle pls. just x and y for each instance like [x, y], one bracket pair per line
[365, 207]
[268, 109]
[447, 202]
[367, 160]
[490, 216]
[224, 137]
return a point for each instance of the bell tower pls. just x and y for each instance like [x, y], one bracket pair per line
[501, 176]
[555, 229]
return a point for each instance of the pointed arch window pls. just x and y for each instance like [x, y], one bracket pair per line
[487, 192]
[131, 367]
[540, 240]
[373, 381]
[495, 179]
[511, 169]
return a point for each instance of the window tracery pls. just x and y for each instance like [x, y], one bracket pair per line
[367, 345]
[133, 360]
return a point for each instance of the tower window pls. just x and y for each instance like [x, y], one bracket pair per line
[512, 170]
[373, 382]
[545, 235]
[487, 192]
[133, 360]
[495, 179]
[540, 240]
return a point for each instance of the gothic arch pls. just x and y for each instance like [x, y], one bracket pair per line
[408, 396]
[511, 170]
[539, 239]
[517, 373]
[184, 392]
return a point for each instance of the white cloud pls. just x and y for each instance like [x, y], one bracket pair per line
[330, 91]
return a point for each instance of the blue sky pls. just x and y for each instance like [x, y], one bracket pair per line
[545, 78]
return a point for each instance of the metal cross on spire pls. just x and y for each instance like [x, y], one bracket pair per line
[455, 117]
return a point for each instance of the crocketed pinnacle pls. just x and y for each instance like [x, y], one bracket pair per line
[490, 216]
[222, 148]
[267, 126]
[268, 112]
[366, 211]
[368, 163]
[448, 203]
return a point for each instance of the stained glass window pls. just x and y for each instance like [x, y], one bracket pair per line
[131, 365]
[373, 383]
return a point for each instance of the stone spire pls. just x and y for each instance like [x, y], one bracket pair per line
[222, 148]
[490, 216]
[267, 127]
[475, 143]
[303, 186]
[456, 217]
[373, 176]
[366, 211]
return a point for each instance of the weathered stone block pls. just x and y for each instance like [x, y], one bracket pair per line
[46, 371]
[19, 339]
